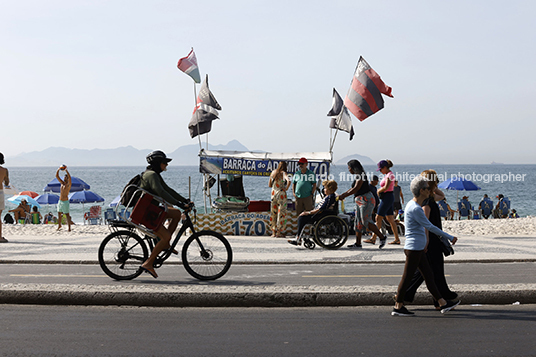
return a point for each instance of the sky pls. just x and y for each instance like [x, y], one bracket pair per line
[102, 74]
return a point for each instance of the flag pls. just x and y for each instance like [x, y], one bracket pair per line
[364, 97]
[205, 111]
[188, 65]
[340, 118]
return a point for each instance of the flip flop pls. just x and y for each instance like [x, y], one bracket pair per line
[394, 242]
[370, 241]
[152, 273]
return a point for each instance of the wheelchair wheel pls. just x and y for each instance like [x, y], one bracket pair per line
[331, 232]
[309, 244]
[121, 253]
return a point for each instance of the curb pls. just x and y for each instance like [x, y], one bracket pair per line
[247, 299]
[281, 262]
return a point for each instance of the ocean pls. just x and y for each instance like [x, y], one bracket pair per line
[513, 181]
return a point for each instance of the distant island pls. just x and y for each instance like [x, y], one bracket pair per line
[364, 160]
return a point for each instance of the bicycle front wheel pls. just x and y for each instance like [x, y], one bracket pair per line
[121, 253]
[207, 255]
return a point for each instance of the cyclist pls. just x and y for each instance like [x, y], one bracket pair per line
[152, 181]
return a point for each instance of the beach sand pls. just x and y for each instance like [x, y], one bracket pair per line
[525, 226]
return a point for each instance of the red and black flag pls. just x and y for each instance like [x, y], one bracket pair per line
[364, 97]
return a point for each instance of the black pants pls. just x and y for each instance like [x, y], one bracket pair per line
[416, 259]
[436, 260]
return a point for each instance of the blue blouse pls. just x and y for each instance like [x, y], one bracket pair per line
[415, 221]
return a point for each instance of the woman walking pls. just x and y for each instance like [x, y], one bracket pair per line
[387, 199]
[434, 253]
[279, 182]
[415, 247]
[365, 203]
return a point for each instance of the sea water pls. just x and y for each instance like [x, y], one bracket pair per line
[514, 181]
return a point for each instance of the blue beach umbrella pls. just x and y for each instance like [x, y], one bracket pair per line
[76, 185]
[84, 197]
[458, 184]
[47, 199]
[115, 201]
[18, 198]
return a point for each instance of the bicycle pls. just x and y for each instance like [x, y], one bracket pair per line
[206, 255]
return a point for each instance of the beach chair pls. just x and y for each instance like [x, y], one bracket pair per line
[443, 209]
[486, 207]
[109, 215]
[464, 209]
[94, 215]
[504, 207]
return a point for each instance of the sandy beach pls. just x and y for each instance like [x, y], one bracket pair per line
[525, 226]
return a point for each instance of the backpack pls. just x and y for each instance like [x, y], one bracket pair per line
[8, 219]
[130, 195]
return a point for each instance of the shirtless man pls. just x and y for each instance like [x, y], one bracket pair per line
[65, 188]
[4, 181]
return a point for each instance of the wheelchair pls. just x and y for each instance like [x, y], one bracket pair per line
[329, 232]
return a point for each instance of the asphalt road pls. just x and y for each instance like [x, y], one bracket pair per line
[343, 331]
[276, 274]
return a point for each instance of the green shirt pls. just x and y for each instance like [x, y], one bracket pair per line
[304, 183]
[153, 182]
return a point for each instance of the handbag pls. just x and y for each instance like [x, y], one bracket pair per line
[446, 247]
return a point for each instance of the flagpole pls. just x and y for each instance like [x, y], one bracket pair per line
[195, 107]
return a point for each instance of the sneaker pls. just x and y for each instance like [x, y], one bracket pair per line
[449, 306]
[402, 312]
[383, 242]
[294, 242]
[3, 240]
[355, 245]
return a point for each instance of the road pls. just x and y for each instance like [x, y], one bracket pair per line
[276, 274]
[344, 331]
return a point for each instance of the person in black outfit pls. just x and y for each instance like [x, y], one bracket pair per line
[434, 254]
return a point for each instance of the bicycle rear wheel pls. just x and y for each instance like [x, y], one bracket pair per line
[331, 232]
[207, 255]
[121, 253]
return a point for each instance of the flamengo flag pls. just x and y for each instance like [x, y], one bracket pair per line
[340, 118]
[188, 65]
[205, 111]
[364, 97]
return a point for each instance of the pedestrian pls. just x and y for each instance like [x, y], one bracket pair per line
[153, 182]
[365, 203]
[4, 181]
[434, 252]
[399, 198]
[303, 187]
[63, 203]
[328, 206]
[415, 247]
[279, 182]
[374, 191]
[385, 209]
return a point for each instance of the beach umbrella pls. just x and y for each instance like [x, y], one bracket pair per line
[458, 184]
[85, 196]
[77, 185]
[29, 193]
[47, 199]
[115, 201]
[18, 198]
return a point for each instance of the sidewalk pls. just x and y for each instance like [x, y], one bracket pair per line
[82, 249]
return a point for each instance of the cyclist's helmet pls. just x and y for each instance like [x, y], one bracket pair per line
[157, 157]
